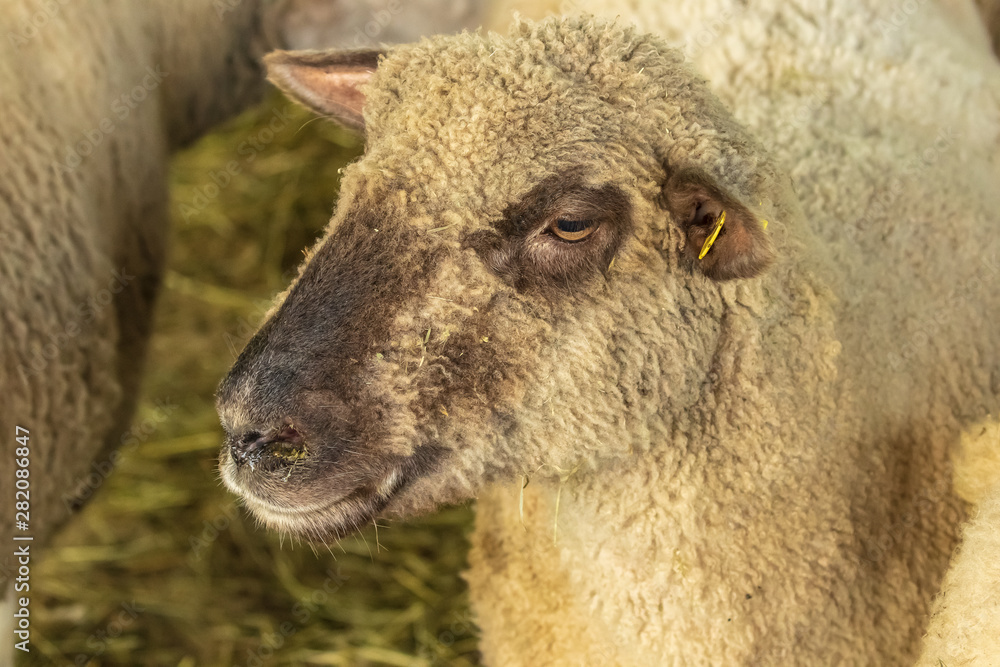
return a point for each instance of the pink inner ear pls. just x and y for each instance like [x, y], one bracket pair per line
[328, 82]
[334, 90]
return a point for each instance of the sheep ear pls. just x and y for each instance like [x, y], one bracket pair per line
[328, 82]
[741, 249]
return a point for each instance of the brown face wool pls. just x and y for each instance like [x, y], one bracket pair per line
[737, 449]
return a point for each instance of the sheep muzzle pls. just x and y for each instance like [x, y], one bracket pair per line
[314, 426]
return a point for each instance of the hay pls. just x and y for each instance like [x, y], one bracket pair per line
[162, 567]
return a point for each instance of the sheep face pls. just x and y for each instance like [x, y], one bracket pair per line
[508, 282]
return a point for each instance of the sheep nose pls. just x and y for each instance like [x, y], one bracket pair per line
[252, 443]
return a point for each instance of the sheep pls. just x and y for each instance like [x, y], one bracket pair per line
[990, 12]
[702, 370]
[92, 98]
[965, 626]
[370, 23]
[97, 94]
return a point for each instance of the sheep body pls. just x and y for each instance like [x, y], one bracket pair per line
[747, 472]
[96, 95]
[810, 101]
[965, 626]
[989, 10]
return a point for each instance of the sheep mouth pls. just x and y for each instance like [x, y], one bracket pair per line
[325, 519]
[312, 510]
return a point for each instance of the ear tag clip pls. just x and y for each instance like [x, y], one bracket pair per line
[711, 237]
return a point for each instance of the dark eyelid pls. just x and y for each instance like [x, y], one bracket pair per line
[574, 206]
[524, 248]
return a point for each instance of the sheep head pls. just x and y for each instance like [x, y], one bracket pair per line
[511, 279]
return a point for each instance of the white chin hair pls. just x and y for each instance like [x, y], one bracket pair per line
[331, 516]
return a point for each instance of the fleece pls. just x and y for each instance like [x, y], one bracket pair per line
[682, 453]
[820, 86]
[816, 86]
[95, 95]
[990, 12]
[965, 626]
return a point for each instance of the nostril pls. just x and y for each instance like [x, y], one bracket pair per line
[288, 434]
[243, 449]
[254, 442]
[250, 437]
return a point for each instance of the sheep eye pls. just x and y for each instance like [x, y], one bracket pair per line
[573, 230]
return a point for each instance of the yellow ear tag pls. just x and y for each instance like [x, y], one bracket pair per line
[714, 235]
[764, 222]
